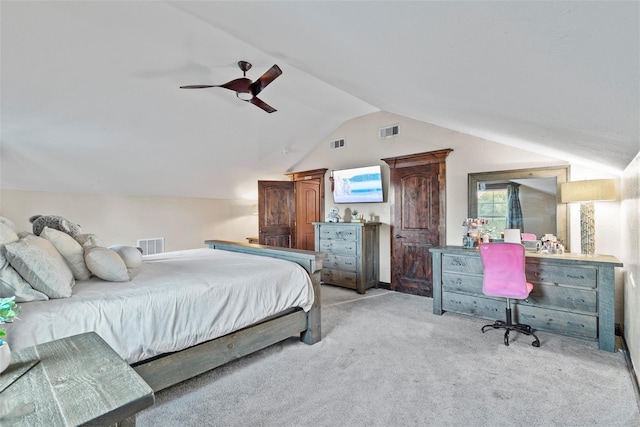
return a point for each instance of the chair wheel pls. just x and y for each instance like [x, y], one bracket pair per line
[536, 343]
[506, 338]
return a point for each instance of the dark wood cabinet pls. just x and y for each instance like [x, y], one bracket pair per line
[287, 209]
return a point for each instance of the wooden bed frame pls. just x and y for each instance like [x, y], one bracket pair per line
[170, 369]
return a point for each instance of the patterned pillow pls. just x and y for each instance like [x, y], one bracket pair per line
[11, 283]
[70, 250]
[41, 265]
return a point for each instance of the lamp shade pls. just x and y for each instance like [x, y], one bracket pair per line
[589, 190]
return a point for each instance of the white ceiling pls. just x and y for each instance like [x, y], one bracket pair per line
[90, 99]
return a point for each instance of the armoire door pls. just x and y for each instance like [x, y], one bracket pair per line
[418, 217]
[308, 211]
[276, 213]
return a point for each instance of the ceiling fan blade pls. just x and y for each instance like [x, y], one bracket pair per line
[266, 107]
[242, 84]
[265, 79]
[196, 86]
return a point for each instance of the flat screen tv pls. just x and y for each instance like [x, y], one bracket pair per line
[358, 185]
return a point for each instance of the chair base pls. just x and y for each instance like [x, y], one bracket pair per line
[509, 326]
[524, 329]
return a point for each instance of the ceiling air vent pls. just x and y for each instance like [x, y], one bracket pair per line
[338, 143]
[388, 132]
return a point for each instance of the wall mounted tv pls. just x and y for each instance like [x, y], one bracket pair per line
[358, 185]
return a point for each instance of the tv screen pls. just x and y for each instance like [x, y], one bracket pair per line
[359, 185]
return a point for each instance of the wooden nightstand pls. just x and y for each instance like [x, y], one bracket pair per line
[78, 380]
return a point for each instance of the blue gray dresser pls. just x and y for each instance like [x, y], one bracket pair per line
[573, 294]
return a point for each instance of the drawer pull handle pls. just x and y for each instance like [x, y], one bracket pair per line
[455, 302]
[575, 277]
[577, 325]
[527, 316]
[575, 299]
[399, 236]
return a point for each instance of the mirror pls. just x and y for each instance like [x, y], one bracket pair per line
[541, 208]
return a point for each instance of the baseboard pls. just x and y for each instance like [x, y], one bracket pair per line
[634, 377]
[384, 285]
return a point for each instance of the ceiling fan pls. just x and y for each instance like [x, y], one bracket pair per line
[245, 89]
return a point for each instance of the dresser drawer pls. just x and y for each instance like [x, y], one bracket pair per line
[337, 277]
[339, 262]
[462, 264]
[558, 321]
[338, 232]
[344, 247]
[560, 274]
[478, 306]
[564, 297]
[459, 282]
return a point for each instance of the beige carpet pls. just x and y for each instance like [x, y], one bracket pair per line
[386, 360]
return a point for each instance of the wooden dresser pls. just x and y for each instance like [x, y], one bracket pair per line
[353, 253]
[573, 294]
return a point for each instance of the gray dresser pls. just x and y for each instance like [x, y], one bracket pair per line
[353, 253]
[572, 295]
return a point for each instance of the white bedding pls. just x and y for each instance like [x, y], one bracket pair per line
[174, 301]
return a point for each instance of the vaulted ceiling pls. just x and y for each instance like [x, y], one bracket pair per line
[90, 98]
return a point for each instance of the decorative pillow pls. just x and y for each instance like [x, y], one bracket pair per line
[70, 250]
[131, 256]
[41, 265]
[88, 240]
[11, 283]
[9, 223]
[105, 264]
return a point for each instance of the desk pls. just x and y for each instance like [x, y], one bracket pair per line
[78, 380]
[573, 294]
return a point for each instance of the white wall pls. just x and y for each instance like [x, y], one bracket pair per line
[184, 222]
[631, 258]
[470, 154]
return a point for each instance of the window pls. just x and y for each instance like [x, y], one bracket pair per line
[492, 206]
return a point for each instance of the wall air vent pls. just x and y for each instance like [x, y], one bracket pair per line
[151, 246]
[338, 143]
[389, 131]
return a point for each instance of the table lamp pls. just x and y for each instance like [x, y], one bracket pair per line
[587, 192]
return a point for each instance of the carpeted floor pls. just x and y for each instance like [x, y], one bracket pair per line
[386, 360]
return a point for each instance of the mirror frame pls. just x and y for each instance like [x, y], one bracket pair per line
[561, 173]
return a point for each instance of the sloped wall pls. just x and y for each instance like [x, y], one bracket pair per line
[631, 258]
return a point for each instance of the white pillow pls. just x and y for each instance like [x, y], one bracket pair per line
[70, 250]
[41, 265]
[131, 256]
[105, 264]
[11, 283]
[9, 223]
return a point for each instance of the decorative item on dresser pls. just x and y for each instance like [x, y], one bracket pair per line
[572, 294]
[353, 253]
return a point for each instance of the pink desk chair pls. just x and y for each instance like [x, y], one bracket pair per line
[504, 276]
[528, 236]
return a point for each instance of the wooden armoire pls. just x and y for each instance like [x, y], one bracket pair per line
[288, 209]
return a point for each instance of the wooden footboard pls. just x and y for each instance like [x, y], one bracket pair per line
[174, 368]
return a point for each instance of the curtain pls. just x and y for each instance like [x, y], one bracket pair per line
[514, 210]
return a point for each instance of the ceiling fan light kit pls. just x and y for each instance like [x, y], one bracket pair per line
[245, 89]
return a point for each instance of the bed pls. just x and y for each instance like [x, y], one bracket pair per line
[186, 312]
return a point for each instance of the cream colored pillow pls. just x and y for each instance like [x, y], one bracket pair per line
[41, 265]
[88, 239]
[11, 283]
[131, 256]
[105, 264]
[70, 250]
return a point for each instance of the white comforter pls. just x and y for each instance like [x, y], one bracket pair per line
[175, 300]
